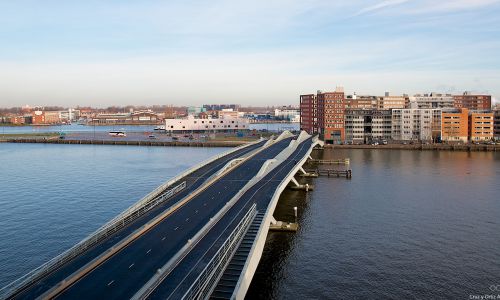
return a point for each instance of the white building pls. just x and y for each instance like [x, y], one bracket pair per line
[432, 100]
[192, 124]
[367, 125]
[290, 114]
[416, 124]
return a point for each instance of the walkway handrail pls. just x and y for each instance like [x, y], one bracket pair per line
[154, 198]
[203, 284]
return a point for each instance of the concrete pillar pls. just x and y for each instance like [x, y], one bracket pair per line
[295, 181]
[302, 170]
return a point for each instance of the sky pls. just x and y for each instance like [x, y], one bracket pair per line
[256, 53]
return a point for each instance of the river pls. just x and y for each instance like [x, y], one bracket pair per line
[409, 224]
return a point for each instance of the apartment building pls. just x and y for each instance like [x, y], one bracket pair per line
[331, 106]
[455, 125]
[496, 124]
[472, 102]
[363, 102]
[365, 126]
[414, 124]
[390, 102]
[192, 124]
[481, 126]
[432, 100]
[309, 114]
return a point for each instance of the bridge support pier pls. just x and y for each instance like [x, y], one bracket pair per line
[302, 187]
[305, 174]
[282, 226]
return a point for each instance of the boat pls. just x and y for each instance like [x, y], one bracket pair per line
[159, 128]
[117, 133]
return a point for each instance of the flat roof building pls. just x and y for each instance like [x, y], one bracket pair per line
[331, 106]
[309, 114]
[455, 125]
[192, 124]
[415, 124]
[472, 102]
[481, 126]
[390, 102]
[367, 125]
[432, 100]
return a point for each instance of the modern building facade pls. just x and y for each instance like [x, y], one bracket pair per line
[363, 102]
[143, 117]
[432, 100]
[455, 125]
[413, 124]
[323, 113]
[287, 113]
[309, 114]
[496, 124]
[481, 126]
[331, 107]
[192, 124]
[390, 102]
[472, 102]
[367, 125]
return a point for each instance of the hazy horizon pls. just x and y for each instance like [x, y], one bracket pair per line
[256, 53]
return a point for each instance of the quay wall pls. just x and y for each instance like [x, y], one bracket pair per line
[131, 143]
[435, 147]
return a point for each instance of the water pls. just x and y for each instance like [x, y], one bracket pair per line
[128, 128]
[408, 225]
[52, 196]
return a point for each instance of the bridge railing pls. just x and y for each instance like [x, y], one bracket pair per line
[97, 236]
[155, 197]
[203, 284]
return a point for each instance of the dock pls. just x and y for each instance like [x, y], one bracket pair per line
[341, 161]
[331, 173]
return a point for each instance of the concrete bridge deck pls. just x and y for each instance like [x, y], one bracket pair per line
[169, 250]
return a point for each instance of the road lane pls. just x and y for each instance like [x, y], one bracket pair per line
[193, 181]
[176, 230]
[175, 285]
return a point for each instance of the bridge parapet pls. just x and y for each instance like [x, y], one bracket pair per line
[151, 200]
[258, 245]
[208, 278]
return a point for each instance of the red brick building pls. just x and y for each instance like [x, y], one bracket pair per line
[309, 114]
[472, 102]
[324, 114]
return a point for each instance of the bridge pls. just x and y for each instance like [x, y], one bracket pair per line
[197, 236]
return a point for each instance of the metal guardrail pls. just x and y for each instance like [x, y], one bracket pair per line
[117, 223]
[203, 284]
[145, 204]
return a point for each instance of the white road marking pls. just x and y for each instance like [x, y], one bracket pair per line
[131, 266]
[163, 238]
[196, 212]
[176, 228]
[187, 219]
[111, 282]
[148, 251]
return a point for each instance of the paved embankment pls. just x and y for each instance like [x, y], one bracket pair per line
[131, 143]
[439, 147]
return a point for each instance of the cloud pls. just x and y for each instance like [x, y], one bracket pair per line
[379, 6]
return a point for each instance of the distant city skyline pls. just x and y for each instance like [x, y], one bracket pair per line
[251, 53]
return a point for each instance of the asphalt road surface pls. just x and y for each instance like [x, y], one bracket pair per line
[127, 271]
[193, 181]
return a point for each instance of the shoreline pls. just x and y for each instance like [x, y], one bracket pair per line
[431, 147]
[212, 144]
[52, 138]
